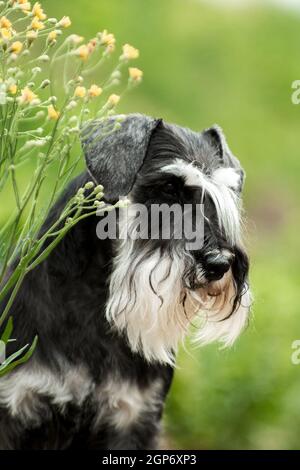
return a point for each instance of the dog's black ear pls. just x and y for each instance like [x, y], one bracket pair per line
[214, 138]
[216, 141]
[115, 149]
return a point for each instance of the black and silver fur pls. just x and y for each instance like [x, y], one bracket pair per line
[109, 314]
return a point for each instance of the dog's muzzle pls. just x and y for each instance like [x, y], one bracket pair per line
[216, 264]
[209, 267]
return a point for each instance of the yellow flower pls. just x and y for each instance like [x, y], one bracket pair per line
[52, 113]
[5, 34]
[75, 39]
[108, 40]
[27, 96]
[37, 24]
[65, 22]
[135, 74]
[4, 22]
[24, 5]
[52, 36]
[130, 52]
[13, 89]
[113, 100]
[83, 52]
[38, 11]
[16, 47]
[80, 92]
[31, 35]
[91, 45]
[94, 91]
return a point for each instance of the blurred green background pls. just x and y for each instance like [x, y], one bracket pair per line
[206, 64]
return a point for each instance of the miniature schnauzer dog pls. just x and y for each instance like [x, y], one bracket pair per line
[110, 313]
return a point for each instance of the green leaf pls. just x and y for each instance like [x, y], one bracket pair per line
[10, 366]
[8, 331]
[11, 358]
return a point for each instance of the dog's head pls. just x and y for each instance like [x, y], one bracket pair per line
[179, 259]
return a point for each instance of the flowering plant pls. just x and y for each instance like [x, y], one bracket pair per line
[36, 124]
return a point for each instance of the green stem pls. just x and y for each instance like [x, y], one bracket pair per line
[12, 298]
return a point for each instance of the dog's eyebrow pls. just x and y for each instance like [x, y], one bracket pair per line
[228, 176]
[191, 174]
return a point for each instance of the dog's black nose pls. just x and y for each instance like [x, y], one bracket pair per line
[216, 267]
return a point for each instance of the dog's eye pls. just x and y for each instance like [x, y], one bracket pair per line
[169, 188]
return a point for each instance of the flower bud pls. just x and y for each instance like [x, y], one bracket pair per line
[122, 203]
[44, 58]
[65, 22]
[79, 199]
[12, 58]
[98, 189]
[35, 102]
[113, 100]
[80, 92]
[36, 70]
[71, 105]
[45, 83]
[73, 120]
[116, 74]
[34, 143]
[74, 130]
[12, 70]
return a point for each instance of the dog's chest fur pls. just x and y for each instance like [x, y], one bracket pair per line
[118, 404]
[122, 404]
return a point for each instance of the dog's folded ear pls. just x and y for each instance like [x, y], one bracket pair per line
[115, 149]
[216, 141]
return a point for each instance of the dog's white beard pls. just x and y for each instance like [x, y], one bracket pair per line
[150, 305]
